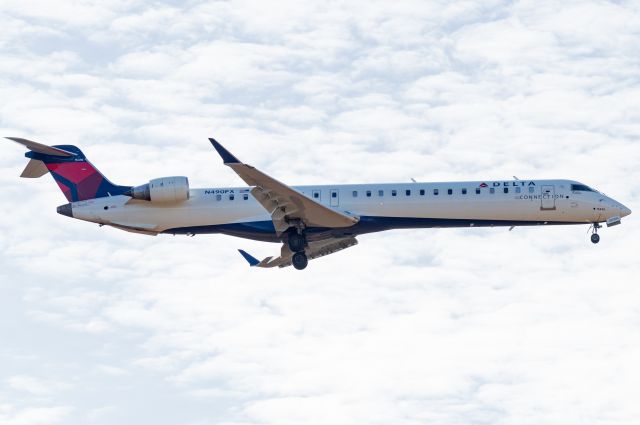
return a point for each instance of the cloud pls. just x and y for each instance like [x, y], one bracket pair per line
[438, 326]
[35, 385]
[75, 13]
[34, 416]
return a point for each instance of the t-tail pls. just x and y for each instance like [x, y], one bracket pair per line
[78, 179]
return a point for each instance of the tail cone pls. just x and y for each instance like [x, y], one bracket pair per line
[65, 210]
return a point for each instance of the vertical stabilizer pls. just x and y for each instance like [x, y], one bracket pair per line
[78, 179]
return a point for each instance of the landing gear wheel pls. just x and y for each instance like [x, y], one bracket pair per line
[299, 261]
[297, 242]
[595, 238]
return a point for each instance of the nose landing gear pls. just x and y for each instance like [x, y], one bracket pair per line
[595, 237]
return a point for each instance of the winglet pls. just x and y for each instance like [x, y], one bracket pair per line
[250, 259]
[227, 156]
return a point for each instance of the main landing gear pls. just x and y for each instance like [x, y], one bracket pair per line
[595, 237]
[297, 242]
[299, 261]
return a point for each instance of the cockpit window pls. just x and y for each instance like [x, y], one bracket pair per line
[581, 188]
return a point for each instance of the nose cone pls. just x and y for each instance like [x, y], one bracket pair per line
[624, 211]
[65, 210]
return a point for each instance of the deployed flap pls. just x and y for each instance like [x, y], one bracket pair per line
[34, 169]
[329, 246]
[40, 148]
[315, 249]
[283, 202]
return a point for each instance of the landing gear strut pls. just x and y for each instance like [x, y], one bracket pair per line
[595, 237]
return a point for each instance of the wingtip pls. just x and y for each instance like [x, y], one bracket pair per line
[227, 157]
[250, 259]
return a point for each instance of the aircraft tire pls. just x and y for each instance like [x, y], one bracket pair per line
[299, 261]
[297, 242]
[595, 238]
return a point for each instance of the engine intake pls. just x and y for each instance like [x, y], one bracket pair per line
[165, 190]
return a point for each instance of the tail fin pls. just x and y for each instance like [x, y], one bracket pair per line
[78, 179]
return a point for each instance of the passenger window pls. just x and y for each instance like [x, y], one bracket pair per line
[477, 191]
[231, 197]
[532, 189]
[450, 191]
[245, 196]
[368, 194]
[422, 192]
[506, 190]
[218, 197]
[435, 192]
[355, 193]
[408, 192]
[316, 195]
[394, 192]
[492, 190]
[518, 190]
[464, 191]
[381, 193]
[334, 194]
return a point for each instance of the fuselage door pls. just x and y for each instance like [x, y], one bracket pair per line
[317, 196]
[335, 197]
[548, 197]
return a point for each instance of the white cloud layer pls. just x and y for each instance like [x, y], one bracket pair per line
[410, 327]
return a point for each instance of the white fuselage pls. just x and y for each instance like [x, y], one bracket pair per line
[379, 206]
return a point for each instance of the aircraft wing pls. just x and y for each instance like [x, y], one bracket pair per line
[315, 249]
[283, 202]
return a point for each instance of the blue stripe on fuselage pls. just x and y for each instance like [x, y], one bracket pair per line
[265, 231]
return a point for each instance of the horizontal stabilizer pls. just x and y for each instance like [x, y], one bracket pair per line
[34, 169]
[40, 148]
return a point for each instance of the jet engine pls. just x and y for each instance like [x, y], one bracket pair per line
[165, 190]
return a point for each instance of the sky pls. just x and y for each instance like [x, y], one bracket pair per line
[440, 326]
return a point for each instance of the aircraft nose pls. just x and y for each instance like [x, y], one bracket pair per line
[624, 211]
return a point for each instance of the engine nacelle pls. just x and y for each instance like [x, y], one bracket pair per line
[165, 190]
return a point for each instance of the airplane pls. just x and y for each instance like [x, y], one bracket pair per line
[310, 221]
